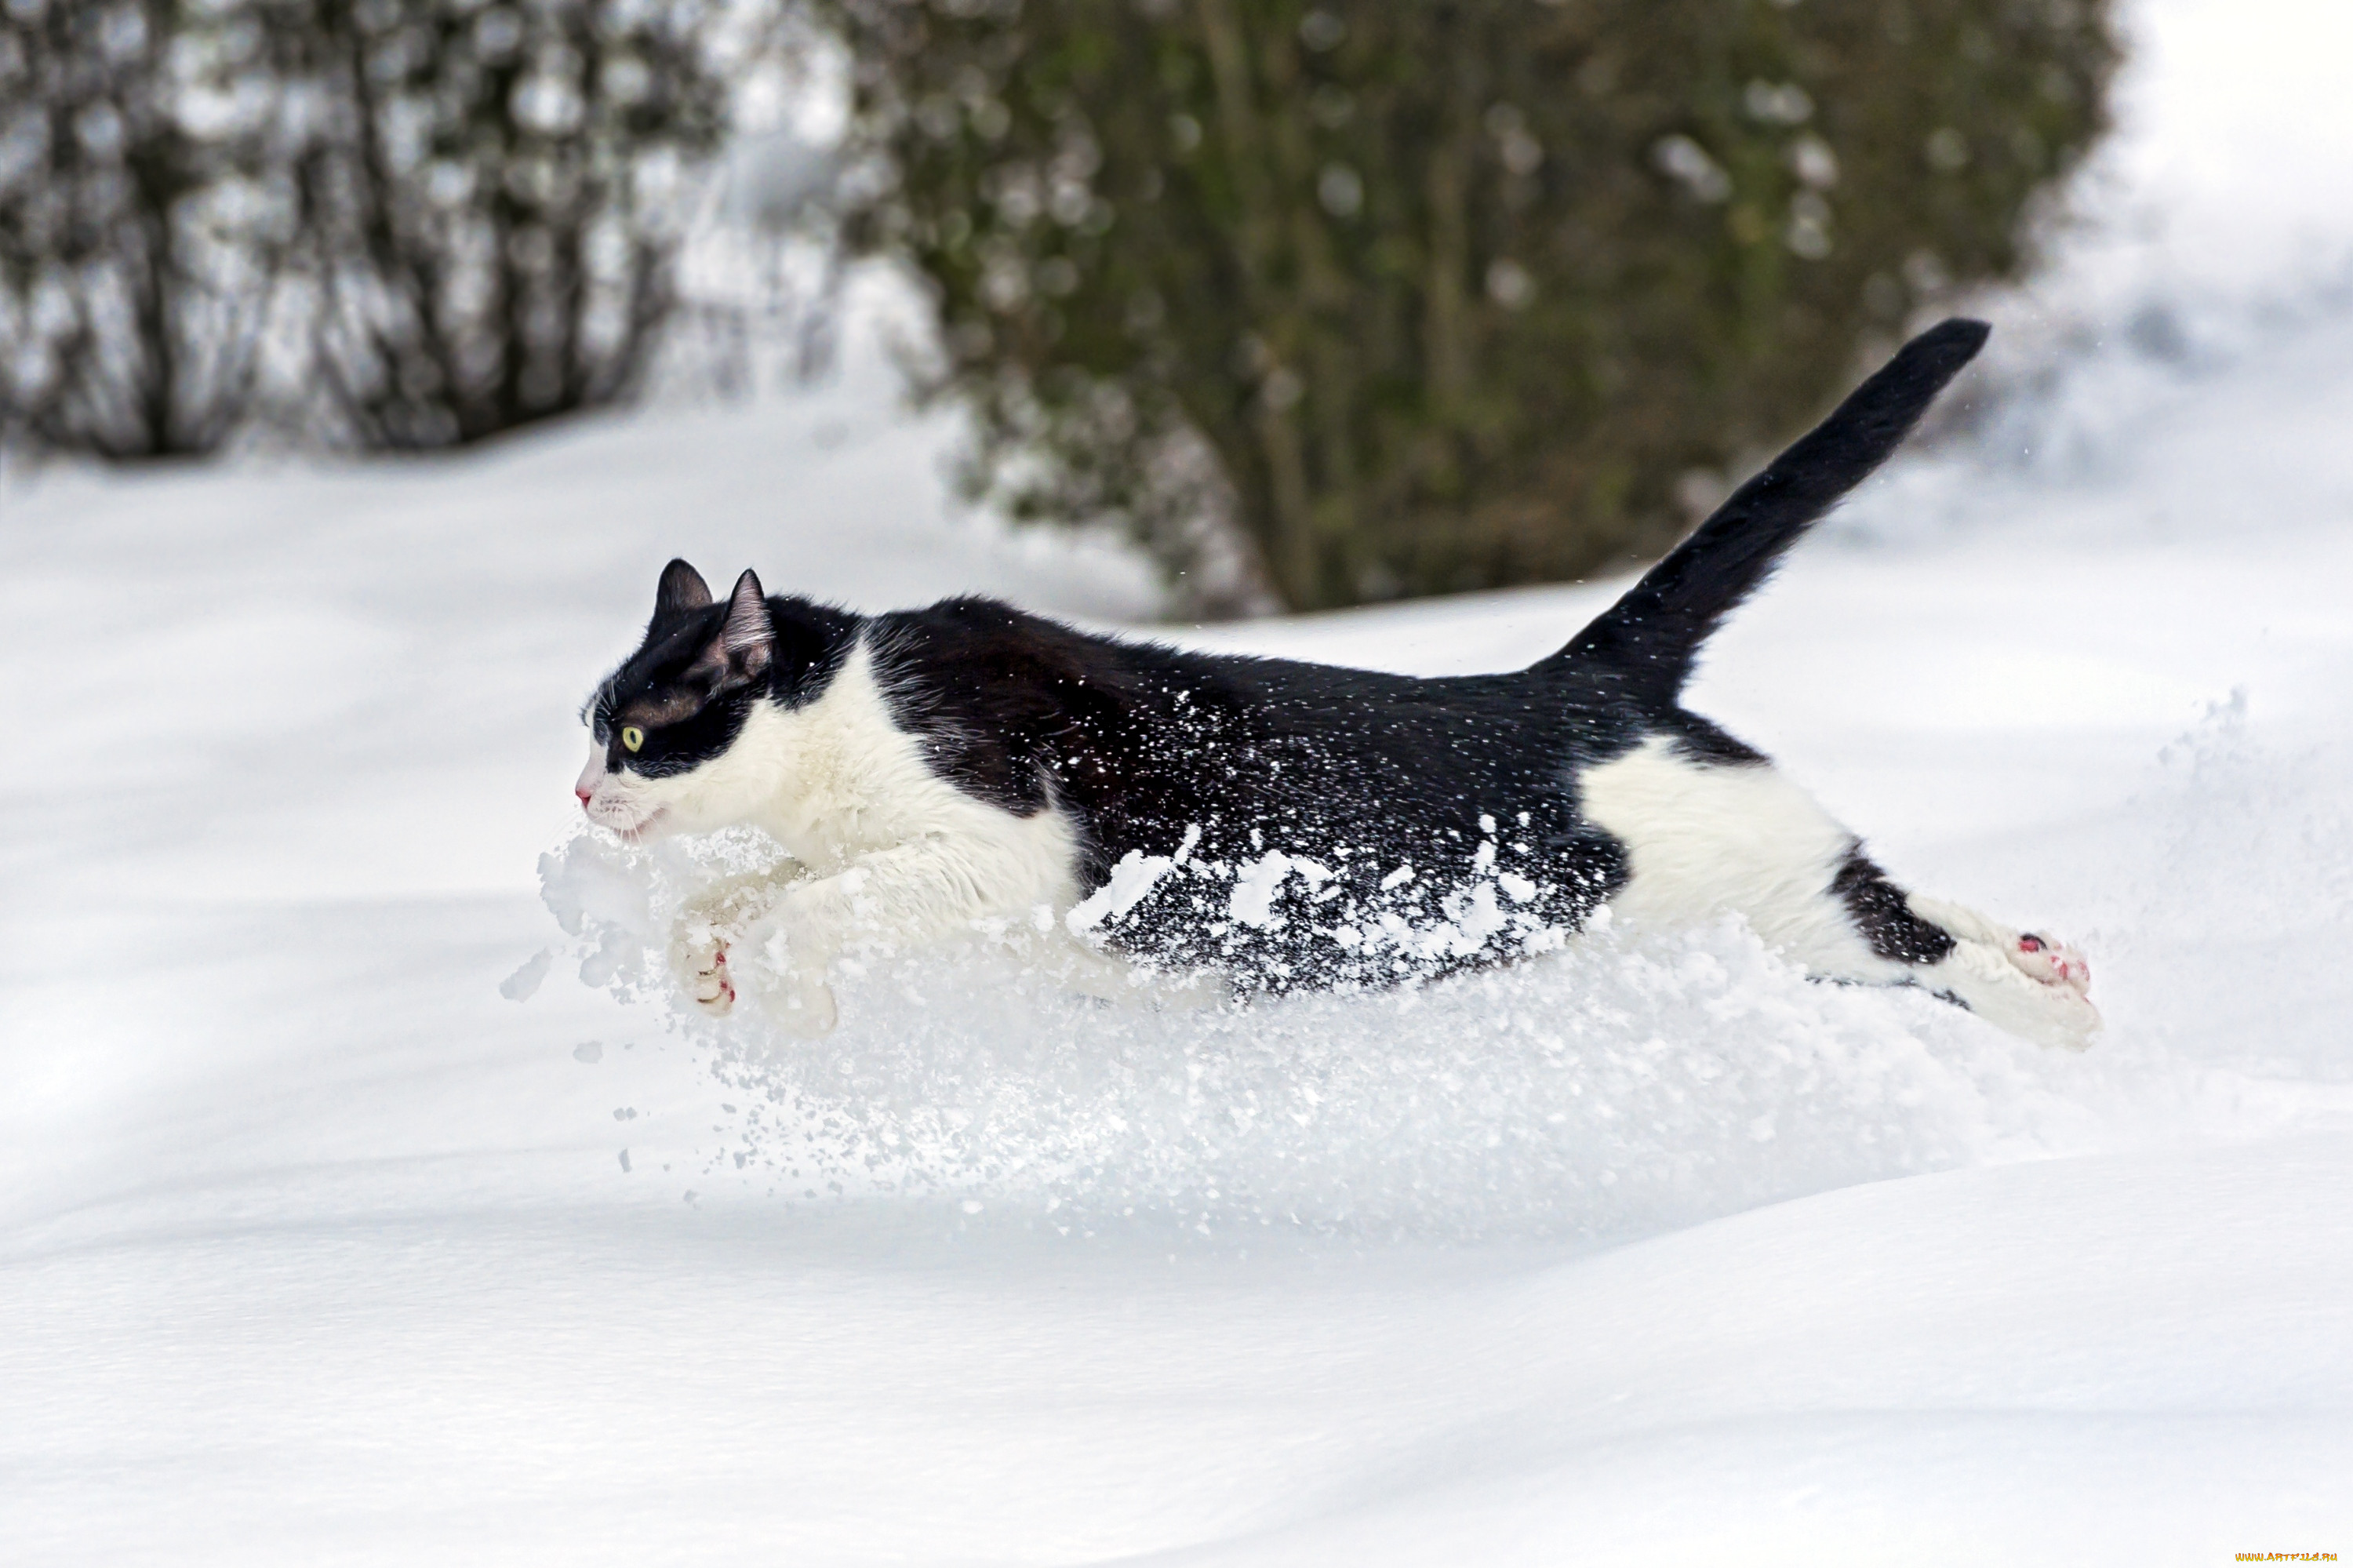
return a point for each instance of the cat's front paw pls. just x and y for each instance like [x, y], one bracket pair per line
[784, 963]
[710, 924]
[698, 962]
[804, 1007]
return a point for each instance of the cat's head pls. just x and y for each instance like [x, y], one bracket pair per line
[665, 728]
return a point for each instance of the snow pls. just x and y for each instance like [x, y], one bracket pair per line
[363, 1198]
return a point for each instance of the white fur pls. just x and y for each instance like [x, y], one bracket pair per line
[887, 849]
[1702, 838]
[2040, 993]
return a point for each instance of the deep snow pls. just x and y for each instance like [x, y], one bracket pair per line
[317, 1245]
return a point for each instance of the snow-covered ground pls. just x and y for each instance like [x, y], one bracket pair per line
[337, 1224]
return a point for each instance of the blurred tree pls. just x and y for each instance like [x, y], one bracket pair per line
[496, 206]
[1438, 295]
[143, 219]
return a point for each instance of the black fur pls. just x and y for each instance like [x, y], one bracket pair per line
[1358, 772]
[679, 691]
[1884, 917]
[1468, 780]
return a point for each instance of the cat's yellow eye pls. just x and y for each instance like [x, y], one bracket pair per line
[632, 737]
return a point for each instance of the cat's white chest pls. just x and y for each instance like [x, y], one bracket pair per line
[835, 777]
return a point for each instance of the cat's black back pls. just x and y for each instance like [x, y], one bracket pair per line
[1363, 773]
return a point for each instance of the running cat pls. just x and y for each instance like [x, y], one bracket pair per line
[1282, 824]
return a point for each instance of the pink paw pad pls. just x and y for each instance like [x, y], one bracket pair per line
[2054, 963]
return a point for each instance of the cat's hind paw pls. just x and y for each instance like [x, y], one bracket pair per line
[2029, 983]
[2052, 962]
[2039, 992]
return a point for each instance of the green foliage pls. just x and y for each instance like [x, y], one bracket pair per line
[1433, 296]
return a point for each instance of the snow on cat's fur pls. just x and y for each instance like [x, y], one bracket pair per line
[1277, 823]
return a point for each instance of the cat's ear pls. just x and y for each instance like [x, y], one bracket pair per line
[682, 588]
[746, 644]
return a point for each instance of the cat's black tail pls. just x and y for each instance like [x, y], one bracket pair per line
[1648, 640]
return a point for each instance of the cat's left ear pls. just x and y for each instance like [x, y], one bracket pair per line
[746, 644]
[681, 590]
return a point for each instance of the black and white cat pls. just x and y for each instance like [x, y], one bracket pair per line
[1280, 825]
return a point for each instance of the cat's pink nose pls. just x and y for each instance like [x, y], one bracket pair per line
[583, 797]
